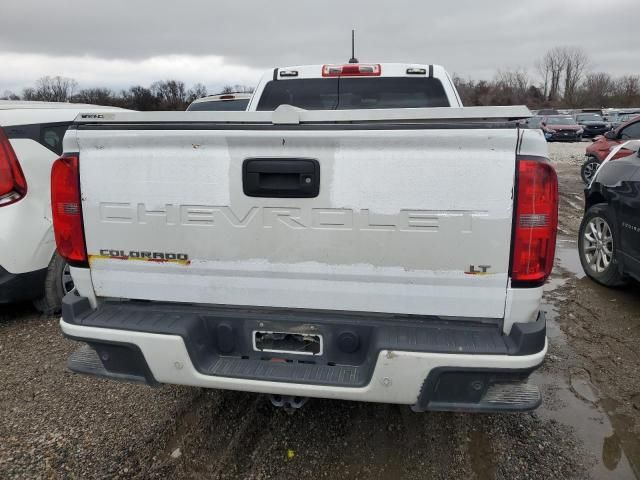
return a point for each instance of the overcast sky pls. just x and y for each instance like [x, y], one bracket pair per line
[118, 43]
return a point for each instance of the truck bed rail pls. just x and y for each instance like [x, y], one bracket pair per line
[288, 115]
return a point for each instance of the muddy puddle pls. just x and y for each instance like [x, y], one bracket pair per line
[567, 257]
[576, 404]
[570, 398]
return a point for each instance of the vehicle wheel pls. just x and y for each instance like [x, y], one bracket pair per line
[589, 169]
[56, 285]
[598, 247]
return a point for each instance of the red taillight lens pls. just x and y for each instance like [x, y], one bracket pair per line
[535, 223]
[67, 210]
[352, 70]
[13, 185]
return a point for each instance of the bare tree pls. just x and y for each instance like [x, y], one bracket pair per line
[626, 91]
[9, 95]
[597, 90]
[553, 65]
[96, 96]
[171, 94]
[237, 88]
[195, 92]
[512, 86]
[544, 70]
[139, 98]
[51, 89]
[28, 93]
[575, 63]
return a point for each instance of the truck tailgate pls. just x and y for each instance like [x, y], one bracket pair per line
[406, 220]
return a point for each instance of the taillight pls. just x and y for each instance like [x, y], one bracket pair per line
[67, 210]
[535, 223]
[13, 185]
[352, 70]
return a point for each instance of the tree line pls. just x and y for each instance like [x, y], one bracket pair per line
[562, 78]
[160, 95]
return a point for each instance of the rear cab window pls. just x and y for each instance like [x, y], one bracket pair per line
[347, 93]
[49, 135]
[631, 132]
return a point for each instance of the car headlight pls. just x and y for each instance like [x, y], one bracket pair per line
[580, 132]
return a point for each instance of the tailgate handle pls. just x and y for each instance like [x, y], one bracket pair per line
[281, 177]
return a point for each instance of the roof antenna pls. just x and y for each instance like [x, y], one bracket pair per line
[353, 58]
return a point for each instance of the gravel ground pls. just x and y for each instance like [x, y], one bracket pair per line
[55, 424]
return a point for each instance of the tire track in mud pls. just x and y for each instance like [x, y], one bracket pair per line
[231, 435]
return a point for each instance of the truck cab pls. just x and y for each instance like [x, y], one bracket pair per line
[355, 86]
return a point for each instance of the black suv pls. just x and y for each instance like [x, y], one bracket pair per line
[592, 124]
[609, 239]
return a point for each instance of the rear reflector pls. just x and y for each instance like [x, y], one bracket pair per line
[352, 70]
[535, 223]
[13, 185]
[67, 210]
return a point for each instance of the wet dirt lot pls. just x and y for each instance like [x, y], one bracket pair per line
[58, 425]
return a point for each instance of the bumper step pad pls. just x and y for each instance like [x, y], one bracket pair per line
[501, 397]
[86, 360]
[516, 396]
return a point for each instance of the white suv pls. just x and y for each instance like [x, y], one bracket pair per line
[31, 136]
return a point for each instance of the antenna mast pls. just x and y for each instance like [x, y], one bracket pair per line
[353, 58]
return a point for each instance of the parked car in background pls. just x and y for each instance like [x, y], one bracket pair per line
[602, 146]
[225, 102]
[592, 123]
[533, 122]
[561, 128]
[617, 120]
[612, 115]
[547, 111]
[609, 238]
[31, 136]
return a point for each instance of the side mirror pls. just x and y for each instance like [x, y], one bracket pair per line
[611, 135]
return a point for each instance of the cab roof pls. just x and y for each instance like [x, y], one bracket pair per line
[386, 70]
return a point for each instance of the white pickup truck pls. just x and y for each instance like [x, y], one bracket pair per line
[386, 255]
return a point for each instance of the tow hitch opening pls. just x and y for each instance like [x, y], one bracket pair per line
[288, 402]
